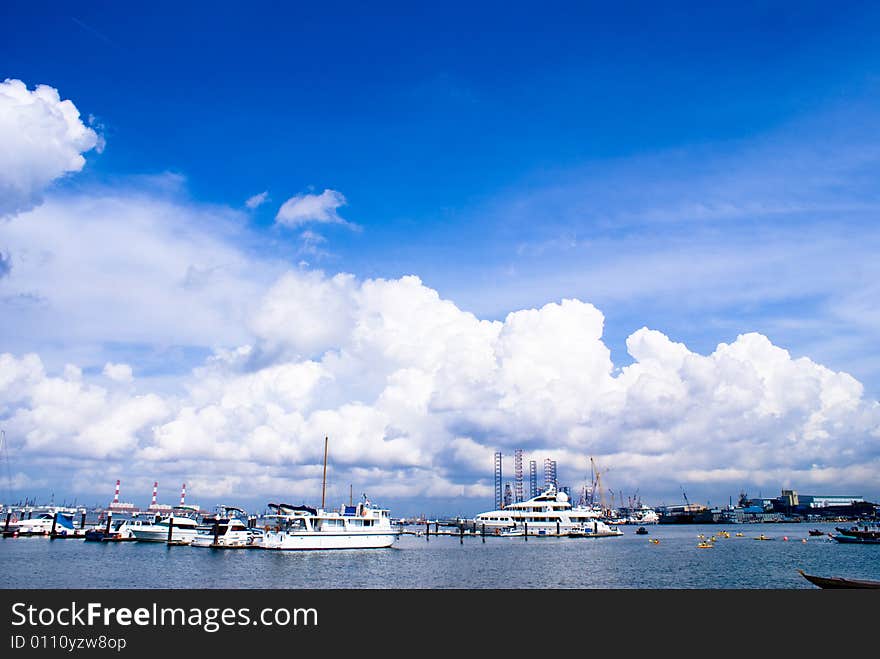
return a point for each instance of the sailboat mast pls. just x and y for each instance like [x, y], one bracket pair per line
[324, 479]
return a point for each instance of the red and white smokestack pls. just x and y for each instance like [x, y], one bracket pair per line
[182, 494]
[155, 492]
[116, 496]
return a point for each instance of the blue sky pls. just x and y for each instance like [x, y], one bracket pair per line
[702, 171]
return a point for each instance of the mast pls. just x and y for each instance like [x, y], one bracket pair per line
[324, 479]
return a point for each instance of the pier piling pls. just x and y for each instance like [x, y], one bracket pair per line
[526, 531]
[483, 532]
[82, 520]
[427, 531]
[216, 532]
[170, 527]
[461, 534]
[109, 519]
[54, 522]
[8, 517]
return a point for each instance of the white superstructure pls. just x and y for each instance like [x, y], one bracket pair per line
[548, 513]
[362, 526]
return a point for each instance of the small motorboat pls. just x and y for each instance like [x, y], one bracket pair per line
[839, 582]
[816, 532]
[705, 545]
[856, 539]
[641, 531]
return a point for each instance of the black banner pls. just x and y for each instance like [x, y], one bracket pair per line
[134, 622]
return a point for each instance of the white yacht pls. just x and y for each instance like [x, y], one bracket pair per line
[644, 515]
[549, 513]
[42, 523]
[362, 526]
[184, 530]
[224, 530]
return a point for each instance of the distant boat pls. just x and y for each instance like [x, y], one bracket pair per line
[641, 531]
[549, 514]
[857, 539]
[120, 531]
[856, 532]
[43, 524]
[225, 530]
[362, 526]
[816, 532]
[184, 530]
[509, 533]
[839, 582]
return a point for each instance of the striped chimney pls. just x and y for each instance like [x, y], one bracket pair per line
[155, 492]
[116, 495]
[182, 494]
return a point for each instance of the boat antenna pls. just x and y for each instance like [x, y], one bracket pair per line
[324, 479]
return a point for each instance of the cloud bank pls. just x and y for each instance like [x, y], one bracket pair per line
[416, 394]
[42, 138]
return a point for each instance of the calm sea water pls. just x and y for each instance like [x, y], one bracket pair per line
[629, 561]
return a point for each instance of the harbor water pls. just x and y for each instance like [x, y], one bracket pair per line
[448, 562]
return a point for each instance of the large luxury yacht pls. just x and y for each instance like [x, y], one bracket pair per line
[549, 513]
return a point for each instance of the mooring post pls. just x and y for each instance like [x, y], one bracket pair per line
[170, 526]
[8, 517]
[109, 519]
[82, 520]
[436, 528]
[54, 522]
[526, 531]
[461, 534]
[427, 531]
[557, 527]
[216, 531]
[483, 532]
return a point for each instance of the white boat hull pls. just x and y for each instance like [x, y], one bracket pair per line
[147, 534]
[281, 540]
[233, 539]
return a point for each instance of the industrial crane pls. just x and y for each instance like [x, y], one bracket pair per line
[598, 484]
[684, 494]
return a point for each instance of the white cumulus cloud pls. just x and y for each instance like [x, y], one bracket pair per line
[118, 372]
[41, 139]
[306, 208]
[416, 395]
